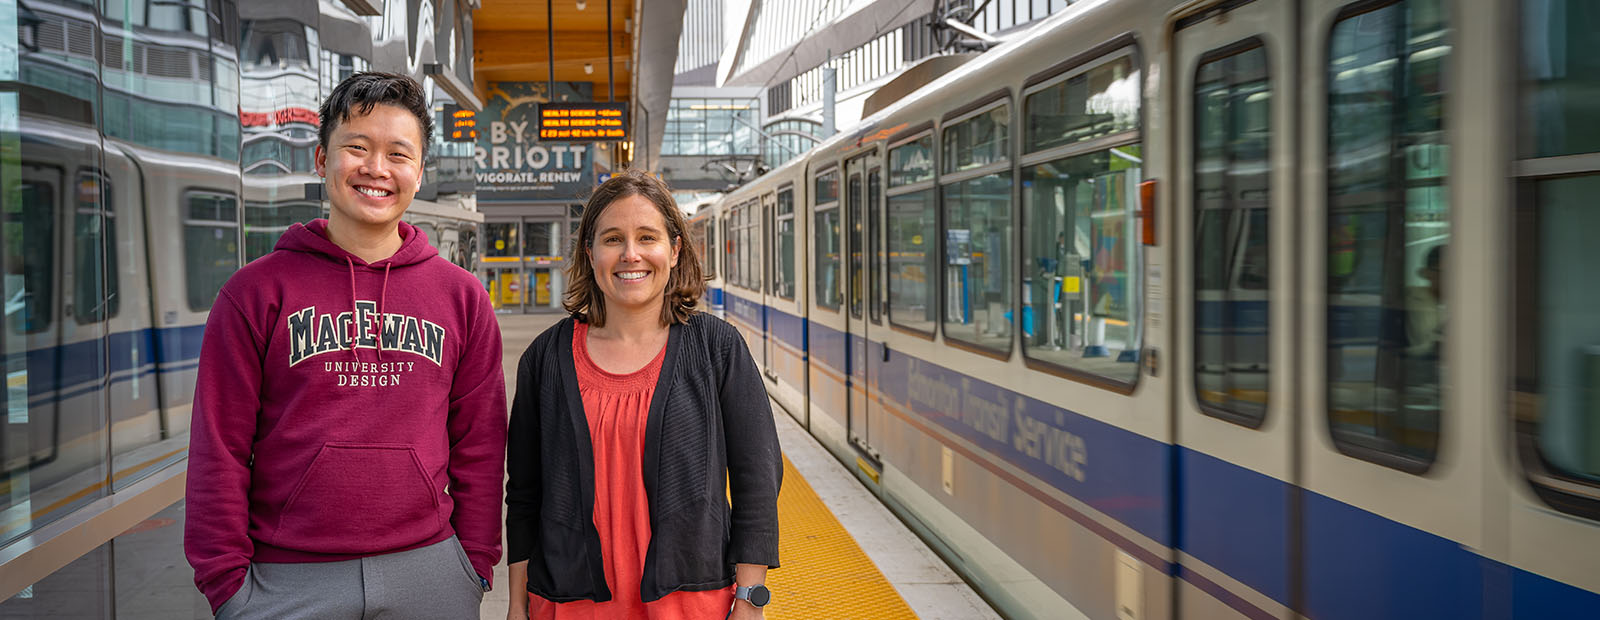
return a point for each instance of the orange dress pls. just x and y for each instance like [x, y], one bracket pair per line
[617, 407]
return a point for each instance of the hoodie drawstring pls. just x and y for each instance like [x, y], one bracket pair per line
[383, 293]
[353, 333]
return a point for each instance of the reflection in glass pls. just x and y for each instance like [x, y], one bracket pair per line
[977, 255]
[81, 589]
[1099, 102]
[1560, 70]
[1559, 357]
[874, 241]
[53, 440]
[826, 273]
[500, 239]
[978, 141]
[1231, 314]
[1082, 269]
[1388, 225]
[211, 245]
[913, 260]
[853, 205]
[911, 162]
[783, 283]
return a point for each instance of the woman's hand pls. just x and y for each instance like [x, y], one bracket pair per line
[517, 584]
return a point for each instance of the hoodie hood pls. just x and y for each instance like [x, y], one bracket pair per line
[312, 238]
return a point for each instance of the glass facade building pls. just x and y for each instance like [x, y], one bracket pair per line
[148, 149]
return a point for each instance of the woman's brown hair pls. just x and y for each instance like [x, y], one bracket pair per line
[685, 285]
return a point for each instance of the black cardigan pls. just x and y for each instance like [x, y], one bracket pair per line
[709, 421]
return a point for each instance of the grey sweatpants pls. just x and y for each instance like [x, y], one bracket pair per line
[435, 582]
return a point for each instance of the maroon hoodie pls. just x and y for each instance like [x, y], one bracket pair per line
[305, 448]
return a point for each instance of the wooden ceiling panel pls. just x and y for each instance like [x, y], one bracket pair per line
[510, 43]
[530, 15]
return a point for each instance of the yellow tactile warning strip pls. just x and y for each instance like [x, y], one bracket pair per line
[825, 575]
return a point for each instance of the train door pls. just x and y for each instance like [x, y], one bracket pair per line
[770, 245]
[1389, 465]
[1235, 409]
[860, 173]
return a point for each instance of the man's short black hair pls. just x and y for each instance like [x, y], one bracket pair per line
[356, 95]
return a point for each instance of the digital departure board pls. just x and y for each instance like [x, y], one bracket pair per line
[461, 125]
[583, 122]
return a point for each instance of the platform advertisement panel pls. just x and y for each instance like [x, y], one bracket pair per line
[512, 163]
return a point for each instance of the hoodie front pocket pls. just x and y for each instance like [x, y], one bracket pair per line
[360, 498]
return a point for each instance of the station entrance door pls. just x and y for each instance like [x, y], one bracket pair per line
[525, 258]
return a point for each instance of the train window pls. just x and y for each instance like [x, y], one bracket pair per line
[1559, 73]
[94, 223]
[752, 245]
[1102, 101]
[1081, 239]
[783, 283]
[825, 237]
[979, 141]
[977, 232]
[875, 246]
[1557, 309]
[827, 187]
[1387, 229]
[977, 248]
[725, 222]
[1082, 280]
[913, 260]
[264, 223]
[211, 245]
[912, 162]
[735, 247]
[1232, 131]
[30, 298]
[853, 204]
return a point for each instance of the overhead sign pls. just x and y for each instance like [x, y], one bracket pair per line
[513, 164]
[461, 125]
[583, 122]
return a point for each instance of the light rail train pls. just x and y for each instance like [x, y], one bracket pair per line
[1259, 309]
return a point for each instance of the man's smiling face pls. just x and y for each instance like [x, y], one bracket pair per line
[373, 166]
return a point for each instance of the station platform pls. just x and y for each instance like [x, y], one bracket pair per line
[843, 554]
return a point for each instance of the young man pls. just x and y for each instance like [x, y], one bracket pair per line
[348, 443]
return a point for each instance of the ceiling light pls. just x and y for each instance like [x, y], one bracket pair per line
[588, 68]
[582, 5]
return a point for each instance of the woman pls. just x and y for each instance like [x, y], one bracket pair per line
[632, 420]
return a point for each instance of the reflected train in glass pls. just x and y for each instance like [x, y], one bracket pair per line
[1156, 309]
[147, 150]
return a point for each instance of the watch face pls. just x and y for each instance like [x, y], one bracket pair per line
[760, 596]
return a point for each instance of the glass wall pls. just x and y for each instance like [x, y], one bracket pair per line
[148, 148]
[711, 127]
[788, 139]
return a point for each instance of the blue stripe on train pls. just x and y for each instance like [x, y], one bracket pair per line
[1358, 564]
[52, 369]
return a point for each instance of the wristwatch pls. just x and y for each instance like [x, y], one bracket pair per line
[757, 595]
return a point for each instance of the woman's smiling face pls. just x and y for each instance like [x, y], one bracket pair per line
[632, 255]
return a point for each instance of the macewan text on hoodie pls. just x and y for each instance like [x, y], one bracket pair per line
[336, 402]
